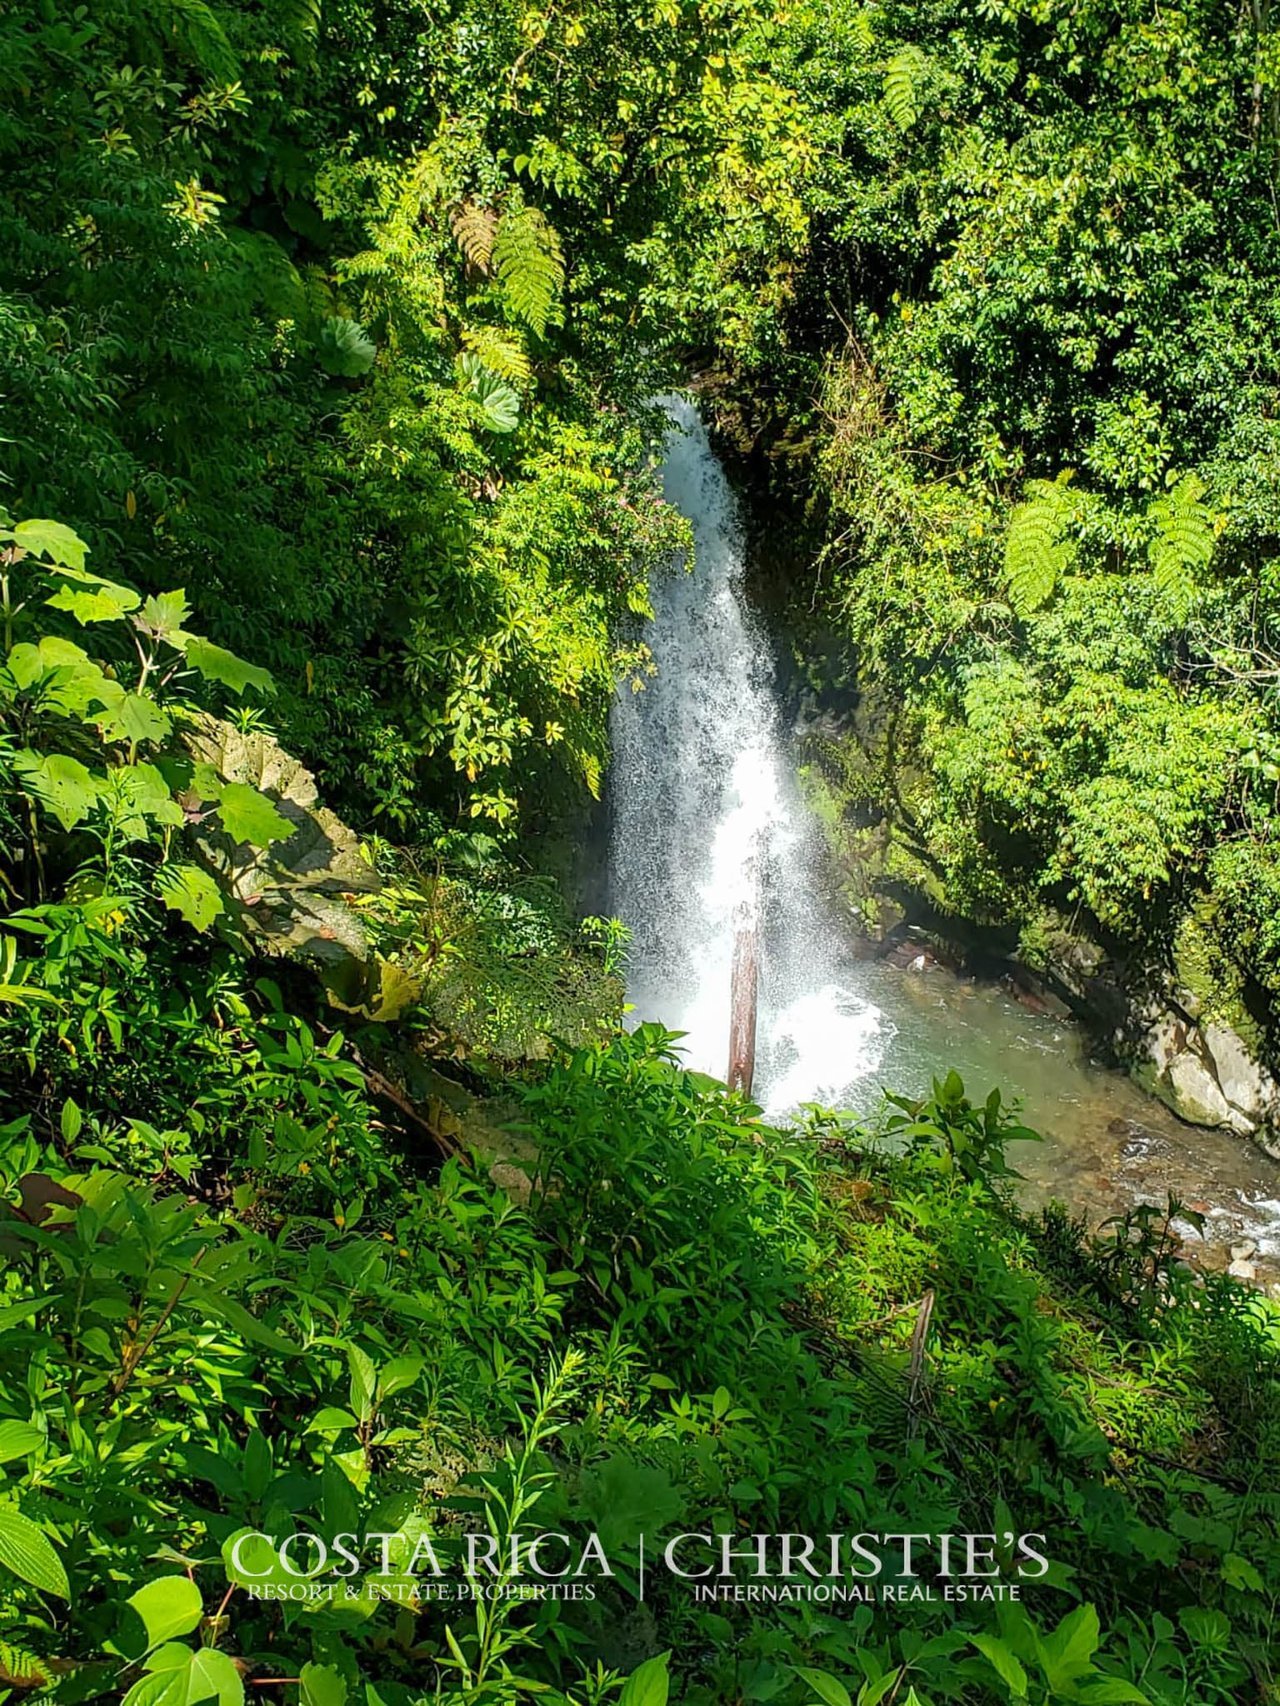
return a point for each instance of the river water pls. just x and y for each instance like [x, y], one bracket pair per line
[709, 835]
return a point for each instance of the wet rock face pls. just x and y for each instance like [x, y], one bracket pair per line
[1205, 1074]
[1199, 1067]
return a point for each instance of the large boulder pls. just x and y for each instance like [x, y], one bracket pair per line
[1203, 1072]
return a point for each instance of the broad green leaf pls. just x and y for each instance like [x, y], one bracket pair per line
[1067, 1653]
[259, 1464]
[322, 1685]
[1002, 1660]
[1111, 1691]
[147, 792]
[27, 1551]
[499, 402]
[648, 1684]
[247, 815]
[1238, 1572]
[206, 782]
[174, 1655]
[872, 1693]
[51, 539]
[220, 1304]
[827, 1687]
[68, 678]
[190, 892]
[169, 1606]
[18, 1439]
[58, 653]
[60, 783]
[179, 1676]
[25, 665]
[398, 1375]
[363, 1381]
[163, 615]
[346, 349]
[331, 1421]
[215, 663]
[164, 1687]
[625, 1499]
[135, 718]
[93, 599]
[17, 1313]
[339, 1502]
[212, 1676]
[249, 1557]
[1206, 1626]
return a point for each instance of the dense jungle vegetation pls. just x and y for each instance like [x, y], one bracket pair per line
[334, 1197]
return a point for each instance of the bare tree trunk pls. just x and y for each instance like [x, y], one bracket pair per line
[744, 989]
[742, 1020]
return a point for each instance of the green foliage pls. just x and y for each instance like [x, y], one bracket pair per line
[529, 261]
[1039, 549]
[903, 77]
[1182, 543]
[346, 350]
[349, 318]
[111, 710]
[239, 1300]
[366, 355]
[1004, 288]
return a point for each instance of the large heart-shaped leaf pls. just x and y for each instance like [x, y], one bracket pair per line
[247, 815]
[168, 1607]
[61, 784]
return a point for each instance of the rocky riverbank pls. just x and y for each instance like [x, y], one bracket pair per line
[1176, 1019]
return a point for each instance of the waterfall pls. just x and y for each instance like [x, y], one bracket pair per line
[708, 836]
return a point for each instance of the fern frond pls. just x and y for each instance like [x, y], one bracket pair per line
[530, 263]
[1037, 549]
[1181, 544]
[199, 32]
[302, 16]
[498, 352]
[475, 228]
[904, 78]
[20, 1668]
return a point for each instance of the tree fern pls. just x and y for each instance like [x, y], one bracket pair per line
[530, 263]
[1037, 550]
[904, 78]
[1182, 542]
[498, 352]
[475, 228]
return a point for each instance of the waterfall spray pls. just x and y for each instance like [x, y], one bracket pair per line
[713, 862]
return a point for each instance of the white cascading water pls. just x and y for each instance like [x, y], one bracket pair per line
[707, 834]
